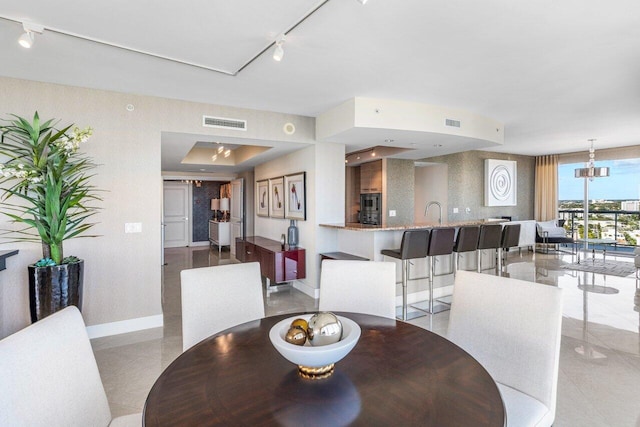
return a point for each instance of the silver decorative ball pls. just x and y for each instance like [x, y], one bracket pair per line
[324, 328]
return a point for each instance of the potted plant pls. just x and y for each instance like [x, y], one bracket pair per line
[45, 189]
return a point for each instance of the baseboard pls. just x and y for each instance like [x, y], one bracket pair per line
[306, 289]
[202, 243]
[124, 326]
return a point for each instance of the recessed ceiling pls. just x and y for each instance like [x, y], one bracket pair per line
[555, 73]
[192, 153]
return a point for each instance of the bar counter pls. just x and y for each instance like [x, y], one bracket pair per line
[355, 226]
[368, 241]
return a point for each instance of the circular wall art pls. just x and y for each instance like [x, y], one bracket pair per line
[500, 183]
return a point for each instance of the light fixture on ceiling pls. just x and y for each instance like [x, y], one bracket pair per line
[589, 172]
[27, 38]
[227, 153]
[362, 2]
[278, 52]
[214, 157]
[389, 141]
[221, 149]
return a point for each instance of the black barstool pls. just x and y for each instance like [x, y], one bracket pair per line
[510, 239]
[413, 246]
[466, 241]
[490, 238]
[440, 243]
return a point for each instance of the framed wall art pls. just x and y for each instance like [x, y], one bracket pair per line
[296, 190]
[500, 183]
[276, 197]
[262, 197]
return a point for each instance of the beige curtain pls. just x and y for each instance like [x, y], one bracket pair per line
[225, 191]
[546, 188]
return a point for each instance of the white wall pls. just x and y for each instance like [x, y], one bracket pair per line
[324, 167]
[122, 271]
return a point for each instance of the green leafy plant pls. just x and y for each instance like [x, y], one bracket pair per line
[45, 183]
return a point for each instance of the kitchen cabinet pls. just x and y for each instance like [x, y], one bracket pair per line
[278, 263]
[371, 177]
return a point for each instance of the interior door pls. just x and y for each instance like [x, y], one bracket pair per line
[236, 216]
[176, 214]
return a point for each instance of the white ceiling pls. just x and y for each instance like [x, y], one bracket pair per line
[556, 73]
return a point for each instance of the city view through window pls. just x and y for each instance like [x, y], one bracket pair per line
[614, 202]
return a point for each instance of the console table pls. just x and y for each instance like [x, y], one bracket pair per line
[278, 263]
[220, 234]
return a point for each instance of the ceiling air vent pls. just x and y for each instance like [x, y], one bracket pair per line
[224, 123]
[452, 123]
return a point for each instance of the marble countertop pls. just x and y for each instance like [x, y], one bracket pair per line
[354, 226]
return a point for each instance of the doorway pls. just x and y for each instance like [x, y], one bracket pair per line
[176, 208]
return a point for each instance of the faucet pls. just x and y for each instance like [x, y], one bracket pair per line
[433, 202]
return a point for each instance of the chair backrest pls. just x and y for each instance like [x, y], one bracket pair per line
[510, 236]
[217, 298]
[359, 286]
[441, 241]
[49, 376]
[467, 239]
[490, 235]
[414, 244]
[512, 328]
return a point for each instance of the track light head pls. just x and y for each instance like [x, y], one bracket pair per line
[278, 52]
[26, 39]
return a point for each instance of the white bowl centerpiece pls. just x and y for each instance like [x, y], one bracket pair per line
[318, 360]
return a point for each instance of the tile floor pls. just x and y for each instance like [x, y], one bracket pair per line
[599, 380]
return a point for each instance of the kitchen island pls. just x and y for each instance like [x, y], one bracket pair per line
[368, 241]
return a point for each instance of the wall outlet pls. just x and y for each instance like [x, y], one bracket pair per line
[467, 210]
[133, 227]
[392, 213]
[455, 210]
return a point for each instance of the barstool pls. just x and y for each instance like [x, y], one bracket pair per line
[510, 239]
[490, 236]
[466, 241]
[440, 243]
[413, 246]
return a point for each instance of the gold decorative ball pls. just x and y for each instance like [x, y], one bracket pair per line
[324, 328]
[300, 322]
[296, 335]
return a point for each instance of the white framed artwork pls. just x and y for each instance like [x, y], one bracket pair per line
[500, 183]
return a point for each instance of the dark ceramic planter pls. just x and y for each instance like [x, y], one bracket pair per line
[53, 288]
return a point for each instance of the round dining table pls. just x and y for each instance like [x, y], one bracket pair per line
[397, 374]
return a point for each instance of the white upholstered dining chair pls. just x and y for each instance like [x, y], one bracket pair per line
[49, 377]
[513, 329]
[217, 298]
[367, 287]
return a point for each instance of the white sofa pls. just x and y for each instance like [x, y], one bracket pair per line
[527, 233]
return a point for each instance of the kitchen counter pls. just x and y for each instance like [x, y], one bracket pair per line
[368, 241]
[354, 226]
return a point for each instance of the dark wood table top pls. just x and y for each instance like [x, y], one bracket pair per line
[397, 374]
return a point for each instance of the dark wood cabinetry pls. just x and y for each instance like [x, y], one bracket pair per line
[279, 263]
